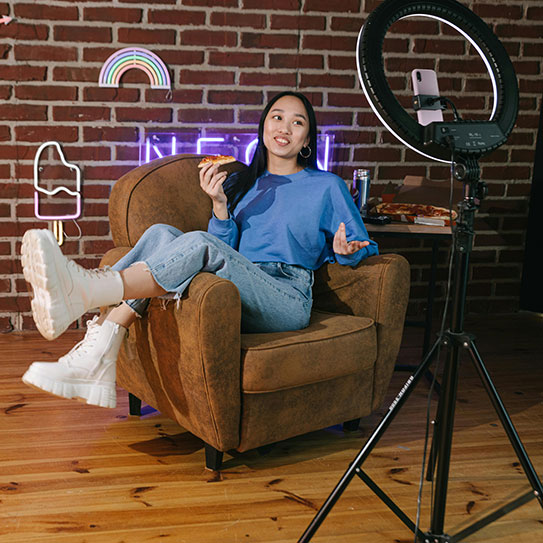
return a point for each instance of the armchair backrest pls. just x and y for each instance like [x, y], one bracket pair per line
[163, 191]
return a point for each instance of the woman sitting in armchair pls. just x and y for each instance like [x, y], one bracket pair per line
[272, 225]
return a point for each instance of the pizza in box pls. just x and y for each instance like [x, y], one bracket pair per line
[416, 213]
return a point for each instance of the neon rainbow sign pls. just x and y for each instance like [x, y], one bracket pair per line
[134, 57]
[239, 145]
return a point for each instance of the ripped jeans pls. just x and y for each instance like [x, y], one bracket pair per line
[274, 296]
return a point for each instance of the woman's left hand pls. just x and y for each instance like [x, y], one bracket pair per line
[343, 247]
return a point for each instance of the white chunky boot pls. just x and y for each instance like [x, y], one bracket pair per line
[87, 372]
[63, 290]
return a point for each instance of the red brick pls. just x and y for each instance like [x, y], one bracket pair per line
[136, 114]
[5, 92]
[87, 153]
[355, 100]
[27, 32]
[75, 73]
[23, 73]
[497, 11]
[394, 173]
[180, 57]
[234, 97]
[298, 22]
[97, 247]
[327, 80]
[527, 67]
[334, 118]
[23, 112]
[442, 46]
[5, 248]
[229, 18]
[110, 133]
[45, 53]
[178, 96]
[244, 60]
[326, 5]
[114, 15]
[286, 60]
[81, 113]
[377, 154]
[329, 43]
[177, 17]
[96, 191]
[45, 92]
[206, 77]
[251, 40]
[342, 62]
[45, 133]
[212, 3]
[82, 34]
[144, 36]
[519, 31]
[276, 5]
[250, 116]
[45, 11]
[100, 94]
[5, 210]
[347, 24]
[209, 38]
[124, 153]
[533, 49]
[207, 115]
[267, 79]
[104, 173]
[534, 13]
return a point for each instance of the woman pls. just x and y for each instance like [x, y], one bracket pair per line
[272, 225]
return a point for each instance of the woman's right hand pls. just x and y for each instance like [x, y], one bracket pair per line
[211, 182]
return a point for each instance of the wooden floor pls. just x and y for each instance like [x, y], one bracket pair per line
[74, 473]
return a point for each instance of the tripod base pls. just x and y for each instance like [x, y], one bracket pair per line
[440, 448]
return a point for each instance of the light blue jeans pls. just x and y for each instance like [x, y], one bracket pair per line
[274, 296]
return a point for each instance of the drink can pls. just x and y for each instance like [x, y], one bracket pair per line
[361, 189]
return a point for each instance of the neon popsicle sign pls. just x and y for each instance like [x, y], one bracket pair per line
[240, 145]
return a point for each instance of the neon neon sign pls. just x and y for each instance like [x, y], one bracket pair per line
[239, 145]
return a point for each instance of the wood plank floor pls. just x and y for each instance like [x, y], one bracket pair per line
[75, 473]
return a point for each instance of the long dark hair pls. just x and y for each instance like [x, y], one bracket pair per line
[238, 184]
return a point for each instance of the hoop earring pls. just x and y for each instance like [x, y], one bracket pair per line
[305, 156]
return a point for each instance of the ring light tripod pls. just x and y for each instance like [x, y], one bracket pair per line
[461, 143]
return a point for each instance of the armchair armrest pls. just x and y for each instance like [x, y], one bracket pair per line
[195, 343]
[377, 288]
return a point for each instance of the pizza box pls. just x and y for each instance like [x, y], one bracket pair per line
[420, 190]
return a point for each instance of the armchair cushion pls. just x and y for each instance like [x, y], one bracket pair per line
[331, 346]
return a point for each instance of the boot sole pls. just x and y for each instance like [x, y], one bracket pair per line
[93, 393]
[50, 303]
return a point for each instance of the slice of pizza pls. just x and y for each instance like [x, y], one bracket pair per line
[216, 159]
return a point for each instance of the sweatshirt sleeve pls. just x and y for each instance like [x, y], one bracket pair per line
[226, 230]
[344, 210]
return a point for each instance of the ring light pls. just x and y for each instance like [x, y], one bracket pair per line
[387, 108]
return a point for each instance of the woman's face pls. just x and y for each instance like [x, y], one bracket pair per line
[286, 129]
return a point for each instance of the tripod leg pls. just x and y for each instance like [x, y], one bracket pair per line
[507, 424]
[368, 447]
[443, 435]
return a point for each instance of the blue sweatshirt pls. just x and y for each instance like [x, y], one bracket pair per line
[293, 219]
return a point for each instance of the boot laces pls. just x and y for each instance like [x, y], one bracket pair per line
[81, 349]
[91, 274]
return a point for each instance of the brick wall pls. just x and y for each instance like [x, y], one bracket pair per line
[226, 58]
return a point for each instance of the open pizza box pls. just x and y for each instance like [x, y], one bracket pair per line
[429, 201]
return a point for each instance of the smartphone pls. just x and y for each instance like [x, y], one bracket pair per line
[425, 82]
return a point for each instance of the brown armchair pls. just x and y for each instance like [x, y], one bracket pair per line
[188, 359]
